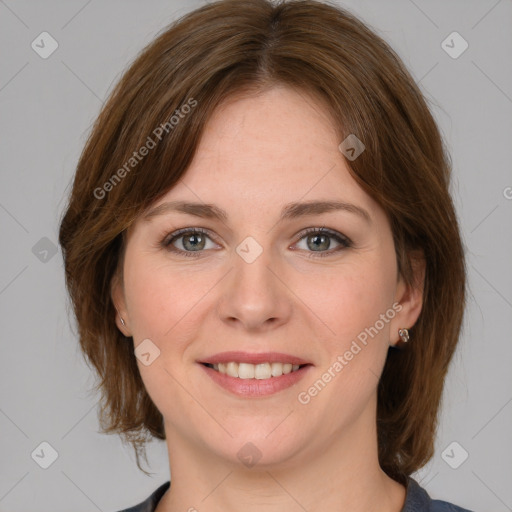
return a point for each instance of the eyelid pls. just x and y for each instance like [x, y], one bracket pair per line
[169, 238]
[182, 231]
[174, 235]
[331, 232]
[344, 241]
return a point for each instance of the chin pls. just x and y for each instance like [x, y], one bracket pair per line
[254, 450]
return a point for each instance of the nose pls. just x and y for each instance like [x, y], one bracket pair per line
[255, 296]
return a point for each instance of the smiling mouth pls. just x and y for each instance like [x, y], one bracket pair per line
[255, 371]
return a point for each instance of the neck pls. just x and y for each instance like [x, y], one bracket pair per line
[339, 473]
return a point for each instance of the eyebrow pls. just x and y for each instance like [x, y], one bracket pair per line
[289, 211]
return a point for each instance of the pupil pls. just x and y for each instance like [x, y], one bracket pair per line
[320, 241]
[193, 240]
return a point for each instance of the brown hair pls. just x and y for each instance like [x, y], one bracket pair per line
[207, 56]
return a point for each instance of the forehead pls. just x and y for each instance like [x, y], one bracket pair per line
[267, 158]
[280, 121]
[281, 143]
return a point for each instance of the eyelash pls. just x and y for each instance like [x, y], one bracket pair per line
[170, 238]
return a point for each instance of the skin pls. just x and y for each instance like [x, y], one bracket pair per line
[258, 153]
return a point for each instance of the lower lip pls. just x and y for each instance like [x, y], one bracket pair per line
[255, 387]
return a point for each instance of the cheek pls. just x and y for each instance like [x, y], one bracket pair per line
[349, 299]
[160, 304]
[164, 302]
[146, 302]
[155, 296]
[354, 354]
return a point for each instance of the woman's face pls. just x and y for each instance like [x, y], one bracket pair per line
[258, 283]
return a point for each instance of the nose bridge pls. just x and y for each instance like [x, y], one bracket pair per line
[254, 297]
[252, 262]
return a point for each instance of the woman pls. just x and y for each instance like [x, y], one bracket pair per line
[265, 263]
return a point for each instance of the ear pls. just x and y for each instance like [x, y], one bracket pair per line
[409, 296]
[118, 299]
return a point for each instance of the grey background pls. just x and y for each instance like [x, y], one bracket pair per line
[47, 107]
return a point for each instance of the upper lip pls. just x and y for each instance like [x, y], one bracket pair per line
[253, 358]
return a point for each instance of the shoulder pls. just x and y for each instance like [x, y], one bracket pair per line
[150, 503]
[418, 500]
[444, 506]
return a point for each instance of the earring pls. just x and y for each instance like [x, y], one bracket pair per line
[120, 317]
[404, 335]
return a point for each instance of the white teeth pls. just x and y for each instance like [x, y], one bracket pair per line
[287, 368]
[232, 369]
[255, 371]
[262, 371]
[277, 369]
[245, 371]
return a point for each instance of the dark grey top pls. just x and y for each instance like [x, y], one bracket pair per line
[416, 500]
